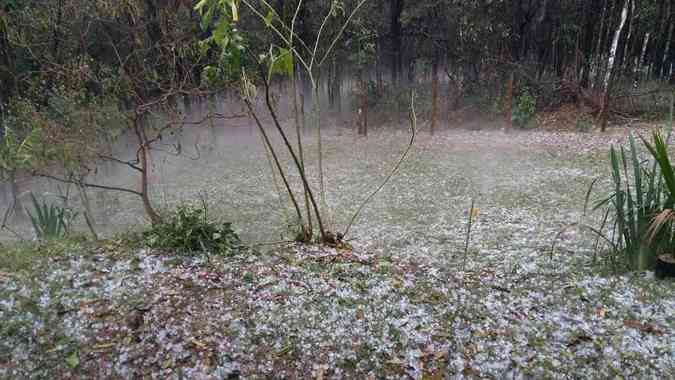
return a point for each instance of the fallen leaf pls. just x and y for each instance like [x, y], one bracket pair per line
[600, 312]
[104, 346]
[579, 339]
[73, 360]
[199, 344]
[644, 327]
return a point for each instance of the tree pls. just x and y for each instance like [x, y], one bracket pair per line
[610, 67]
[129, 59]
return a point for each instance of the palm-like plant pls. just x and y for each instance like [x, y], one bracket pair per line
[661, 226]
[635, 198]
[49, 221]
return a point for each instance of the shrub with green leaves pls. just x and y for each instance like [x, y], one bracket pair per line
[524, 109]
[584, 124]
[188, 231]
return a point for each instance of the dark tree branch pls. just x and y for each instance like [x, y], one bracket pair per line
[131, 164]
[85, 184]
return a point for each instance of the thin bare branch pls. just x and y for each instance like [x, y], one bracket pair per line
[413, 130]
[92, 185]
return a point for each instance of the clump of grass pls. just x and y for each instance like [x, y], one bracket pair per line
[640, 204]
[635, 198]
[661, 227]
[188, 231]
[50, 221]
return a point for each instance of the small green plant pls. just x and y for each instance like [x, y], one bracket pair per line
[584, 124]
[187, 230]
[49, 220]
[524, 110]
[473, 215]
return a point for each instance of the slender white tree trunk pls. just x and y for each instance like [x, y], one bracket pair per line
[666, 50]
[610, 67]
[640, 61]
[626, 50]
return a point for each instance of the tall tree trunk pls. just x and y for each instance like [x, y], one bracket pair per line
[7, 82]
[306, 93]
[508, 116]
[88, 216]
[666, 51]
[299, 131]
[516, 30]
[587, 44]
[337, 88]
[577, 44]
[655, 62]
[642, 59]
[604, 105]
[57, 32]
[396, 40]
[597, 54]
[625, 61]
[434, 95]
[329, 84]
[363, 126]
[378, 68]
[302, 112]
[517, 38]
[411, 70]
[14, 196]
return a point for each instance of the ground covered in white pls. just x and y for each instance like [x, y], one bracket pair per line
[408, 301]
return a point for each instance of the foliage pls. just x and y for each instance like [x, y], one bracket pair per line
[27, 256]
[223, 15]
[525, 107]
[375, 99]
[637, 196]
[220, 17]
[21, 137]
[661, 227]
[584, 124]
[49, 220]
[19, 257]
[187, 230]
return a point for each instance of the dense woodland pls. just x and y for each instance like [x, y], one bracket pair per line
[141, 51]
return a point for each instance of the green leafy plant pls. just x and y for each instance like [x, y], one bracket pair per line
[188, 230]
[49, 220]
[661, 227]
[524, 110]
[584, 125]
[637, 197]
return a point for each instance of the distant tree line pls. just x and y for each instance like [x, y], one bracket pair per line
[149, 43]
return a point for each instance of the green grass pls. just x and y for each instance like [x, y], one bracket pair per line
[30, 257]
[19, 257]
